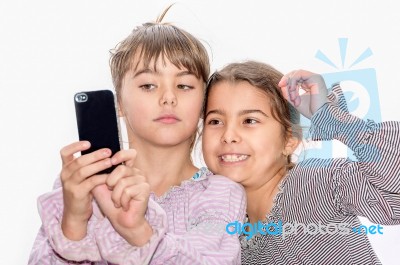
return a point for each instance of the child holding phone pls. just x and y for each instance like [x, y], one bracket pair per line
[151, 208]
[305, 213]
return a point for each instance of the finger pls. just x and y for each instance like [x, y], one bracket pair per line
[102, 196]
[293, 81]
[120, 172]
[293, 91]
[90, 183]
[284, 81]
[285, 92]
[287, 79]
[297, 101]
[89, 159]
[90, 171]
[292, 97]
[122, 184]
[140, 192]
[67, 152]
[126, 157]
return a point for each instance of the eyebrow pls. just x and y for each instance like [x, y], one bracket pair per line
[150, 71]
[248, 111]
[241, 113]
[143, 71]
[216, 111]
[182, 73]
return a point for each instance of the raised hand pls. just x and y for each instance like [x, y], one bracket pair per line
[78, 180]
[314, 93]
[124, 198]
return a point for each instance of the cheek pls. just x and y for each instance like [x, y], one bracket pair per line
[132, 111]
[196, 104]
[135, 100]
[268, 143]
[192, 109]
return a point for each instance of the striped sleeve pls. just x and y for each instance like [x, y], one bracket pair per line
[369, 187]
[51, 246]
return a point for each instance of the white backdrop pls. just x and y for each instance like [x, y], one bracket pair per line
[51, 49]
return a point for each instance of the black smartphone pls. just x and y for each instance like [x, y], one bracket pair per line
[97, 121]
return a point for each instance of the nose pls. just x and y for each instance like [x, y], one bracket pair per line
[230, 135]
[168, 97]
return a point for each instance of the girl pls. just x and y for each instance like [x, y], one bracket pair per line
[304, 213]
[155, 215]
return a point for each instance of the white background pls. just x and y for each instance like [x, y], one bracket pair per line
[51, 49]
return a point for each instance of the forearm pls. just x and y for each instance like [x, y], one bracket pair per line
[51, 213]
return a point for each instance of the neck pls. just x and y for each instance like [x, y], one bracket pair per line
[260, 197]
[162, 166]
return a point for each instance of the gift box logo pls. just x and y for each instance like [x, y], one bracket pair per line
[360, 89]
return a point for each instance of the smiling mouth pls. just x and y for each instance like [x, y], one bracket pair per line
[233, 158]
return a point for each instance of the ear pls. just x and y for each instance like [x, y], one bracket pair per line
[291, 144]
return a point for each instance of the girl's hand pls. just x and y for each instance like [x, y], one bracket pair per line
[77, 183]
[313, 86]
[124, 198]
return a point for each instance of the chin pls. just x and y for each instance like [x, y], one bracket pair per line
[171, 140]
[234, 175]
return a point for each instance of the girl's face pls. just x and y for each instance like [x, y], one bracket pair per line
[241, 139]
[161, 104]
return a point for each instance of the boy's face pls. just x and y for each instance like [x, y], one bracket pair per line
[161, 104]
[241, 139]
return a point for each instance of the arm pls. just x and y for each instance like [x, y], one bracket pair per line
[371, 186]
[42, 253]
[195, 246]
[50, 240]
[68, 221]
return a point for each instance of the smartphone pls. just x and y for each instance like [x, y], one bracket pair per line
[97, 121]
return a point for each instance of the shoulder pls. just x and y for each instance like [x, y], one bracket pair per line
[223, 184]
[222, 180]
[311, 165]
[220, 196]
[315, 172]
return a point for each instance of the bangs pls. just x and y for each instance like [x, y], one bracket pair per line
[166, 42]
[151, 42]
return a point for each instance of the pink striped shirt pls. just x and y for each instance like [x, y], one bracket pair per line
[178, 219]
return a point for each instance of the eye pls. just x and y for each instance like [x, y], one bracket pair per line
[185, 87]
[214, 122]
[148, 87]
[250, 121]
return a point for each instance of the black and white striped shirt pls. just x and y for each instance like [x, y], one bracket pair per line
[335, 191]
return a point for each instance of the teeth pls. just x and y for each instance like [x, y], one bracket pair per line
[233, 158]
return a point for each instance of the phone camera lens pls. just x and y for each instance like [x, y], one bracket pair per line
[81, 97]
